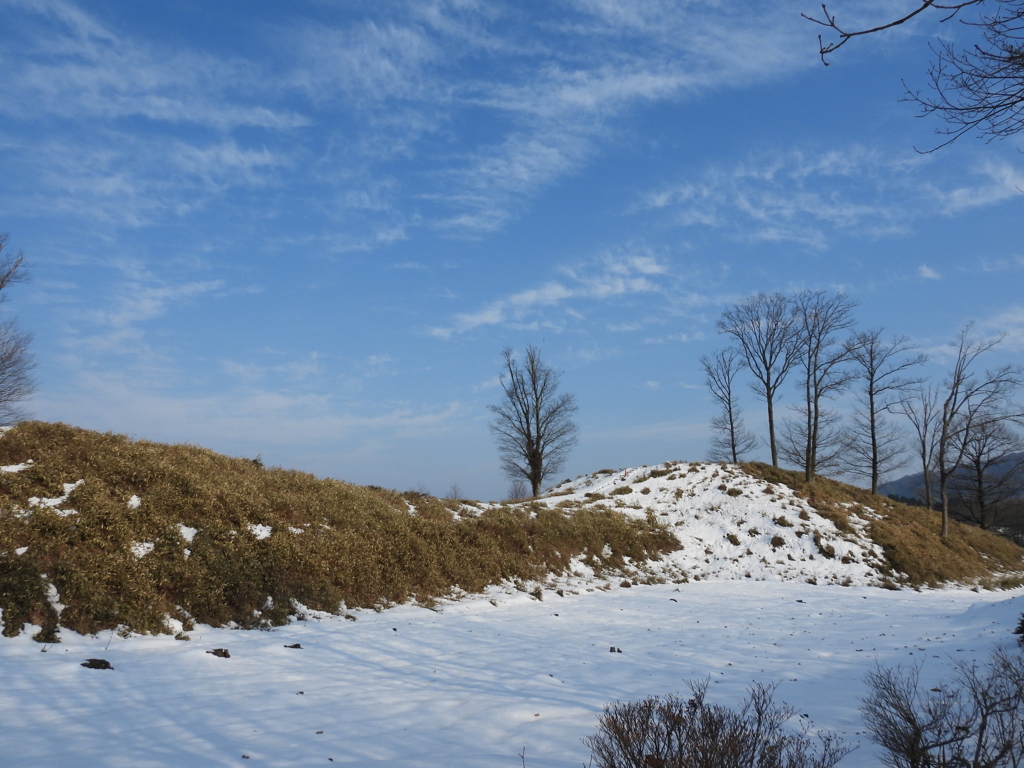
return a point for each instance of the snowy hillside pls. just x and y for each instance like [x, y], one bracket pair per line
[731, 525]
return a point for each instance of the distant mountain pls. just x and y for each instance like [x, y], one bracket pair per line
[911, 486]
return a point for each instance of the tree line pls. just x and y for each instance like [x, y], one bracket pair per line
[961, 429]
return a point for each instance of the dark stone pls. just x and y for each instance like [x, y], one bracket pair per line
[96, 664]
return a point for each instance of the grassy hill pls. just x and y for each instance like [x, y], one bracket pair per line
[98, 531]
[101, 531]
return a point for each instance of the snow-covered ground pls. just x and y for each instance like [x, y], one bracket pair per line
[479, 680]
[476, 682]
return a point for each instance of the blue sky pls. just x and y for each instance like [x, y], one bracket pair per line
[306, 230]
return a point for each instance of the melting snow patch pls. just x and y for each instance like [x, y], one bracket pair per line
[21, 550]
[134, 502]
[53, 596]
[35, 501]
[56, 502]
[16, 467]
[141, 549]
[187, 533]
[260, 531]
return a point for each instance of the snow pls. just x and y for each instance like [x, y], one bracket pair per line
[55, 502]
[142, 548]
[16, 467]
[134, 502]
[260, 531]
[476, 682]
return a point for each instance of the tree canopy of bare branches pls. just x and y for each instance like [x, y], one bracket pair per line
[977, 87]
[533, 423]
[875, 445]
[971, 401]
[730, 439]
[16, 362]
[818, 318]
[763, 327]
[991, 474]
[921, 407]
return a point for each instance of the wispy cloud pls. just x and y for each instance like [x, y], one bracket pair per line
[346, 97]
[928, 273]
[1000, 181]
[1011, 323]
[602, 280]
[81, 68]
[811, 197]
[118, 329]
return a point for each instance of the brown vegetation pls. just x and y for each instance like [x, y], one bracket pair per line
[333, 544]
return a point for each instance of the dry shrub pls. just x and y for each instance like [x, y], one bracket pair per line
[976, 723]
[676, 732]
[357, 546]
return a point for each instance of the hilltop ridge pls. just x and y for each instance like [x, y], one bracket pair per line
[98, 531]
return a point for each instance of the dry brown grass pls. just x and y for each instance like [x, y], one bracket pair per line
[359, 546]
[910, 536]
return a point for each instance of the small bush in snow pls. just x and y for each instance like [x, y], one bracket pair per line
[826, 549]
[976, 723]
[677, 732]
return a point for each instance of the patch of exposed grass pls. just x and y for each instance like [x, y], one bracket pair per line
[332, 544]
[909, 536]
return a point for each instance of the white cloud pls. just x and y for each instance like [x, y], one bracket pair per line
[928, 273]
[601, 280]
[83, 69]
[1001, 181]
[137, 303]
[1011, 323]
[812, 197]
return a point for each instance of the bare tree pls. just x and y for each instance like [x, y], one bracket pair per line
[875, 445]
[730, 440]
[979, 86]
[16, 362]
[830, 440]
[533, 424]
[517, 490]
[991, 474]
[763, 326]
[921, 407]
[818, 318]
[971, 401]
